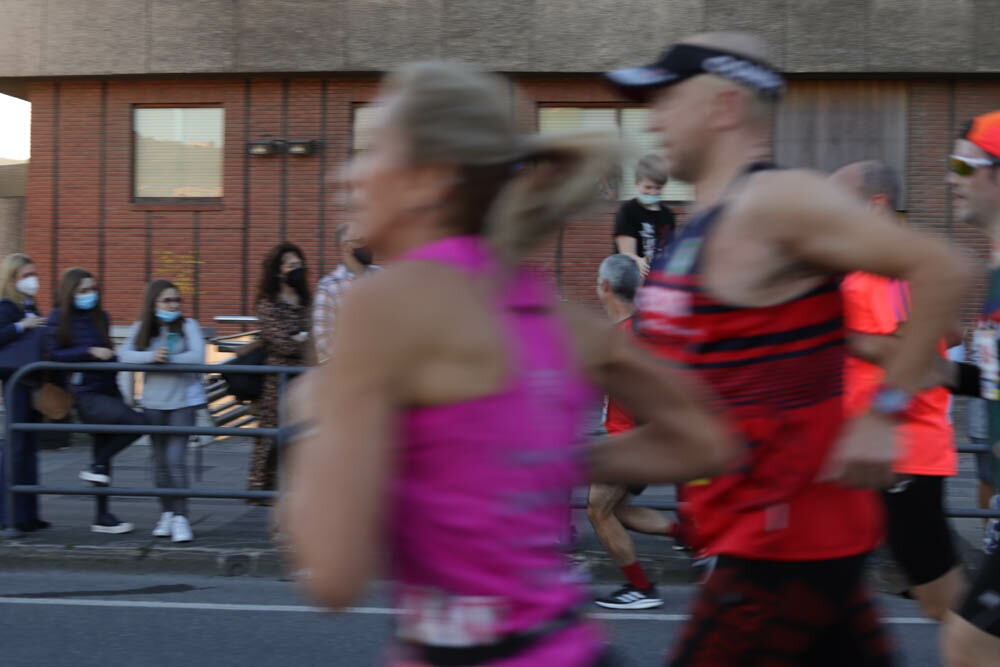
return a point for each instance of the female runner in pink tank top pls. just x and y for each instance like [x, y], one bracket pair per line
[445, 430]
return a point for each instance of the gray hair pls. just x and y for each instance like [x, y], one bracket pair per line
[878, 178]
[622, 274]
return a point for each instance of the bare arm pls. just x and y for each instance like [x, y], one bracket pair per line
[627, 245]
[680, 438]
[339, 472]
[818, 225]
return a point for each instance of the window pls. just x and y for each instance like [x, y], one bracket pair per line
[631, 124]
[178, 153]
[363, 128]
[827, 124]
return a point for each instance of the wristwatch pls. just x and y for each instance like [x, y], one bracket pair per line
[891, 401]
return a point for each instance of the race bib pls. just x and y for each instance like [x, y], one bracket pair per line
[430, 616]
[984, 340]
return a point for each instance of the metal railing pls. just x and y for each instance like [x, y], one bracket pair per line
[279, 434]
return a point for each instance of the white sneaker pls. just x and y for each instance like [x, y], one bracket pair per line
[163, 525]
[180, 529]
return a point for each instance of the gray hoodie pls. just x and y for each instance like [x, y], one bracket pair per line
[169, 391]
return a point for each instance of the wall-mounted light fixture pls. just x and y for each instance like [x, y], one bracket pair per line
[290, 146]
[265, 147]
[303, 146]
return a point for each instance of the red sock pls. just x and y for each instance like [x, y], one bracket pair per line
[636, 576]
[675, 530]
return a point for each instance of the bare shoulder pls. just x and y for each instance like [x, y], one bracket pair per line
[425, 279]
[775, 199]
[788, 201]
[417, 296]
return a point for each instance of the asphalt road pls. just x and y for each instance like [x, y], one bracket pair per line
[84, 619]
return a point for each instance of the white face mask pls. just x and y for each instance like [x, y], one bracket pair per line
[27, 285]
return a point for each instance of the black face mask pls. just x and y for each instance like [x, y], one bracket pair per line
[363, 255]
[296, 279]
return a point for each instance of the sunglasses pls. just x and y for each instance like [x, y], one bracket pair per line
[966, 166]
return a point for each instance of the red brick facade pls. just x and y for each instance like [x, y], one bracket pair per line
[80, 212]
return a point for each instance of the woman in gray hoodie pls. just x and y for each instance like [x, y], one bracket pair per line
[164, 336]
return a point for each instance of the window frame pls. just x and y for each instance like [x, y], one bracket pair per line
[173, 203]
[618, 107]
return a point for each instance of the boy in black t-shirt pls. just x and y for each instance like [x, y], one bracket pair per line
[643, 226]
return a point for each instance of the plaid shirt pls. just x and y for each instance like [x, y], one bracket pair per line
[329, 293]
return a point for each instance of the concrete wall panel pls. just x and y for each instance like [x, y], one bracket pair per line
[767, 18]
[95, 37]
[941, 41]
[292, 35]
[383, 34]
[21, 37]
[490, 34]
[98, 37]
[191, 36]
[828, 37]
[987, 46]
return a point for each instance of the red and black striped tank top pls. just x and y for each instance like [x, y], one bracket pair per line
[777, 372]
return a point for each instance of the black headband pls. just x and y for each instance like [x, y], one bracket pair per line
[683, 61]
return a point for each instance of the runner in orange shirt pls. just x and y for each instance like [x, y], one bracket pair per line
[919, 536]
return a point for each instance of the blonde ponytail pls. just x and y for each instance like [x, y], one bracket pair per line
[526, 184]
[559, 178]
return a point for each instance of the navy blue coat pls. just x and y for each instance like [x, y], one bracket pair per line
[83, 336]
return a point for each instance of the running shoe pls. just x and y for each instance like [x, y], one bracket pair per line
[180, 529]
[630, 597]
[163, 525]
[109, 523]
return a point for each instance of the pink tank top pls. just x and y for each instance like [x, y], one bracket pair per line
[481, 494]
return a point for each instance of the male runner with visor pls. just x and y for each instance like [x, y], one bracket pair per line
[747, 298]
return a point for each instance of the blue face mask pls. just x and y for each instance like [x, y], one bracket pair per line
[85, 301]
[167, 316]
[648, 200]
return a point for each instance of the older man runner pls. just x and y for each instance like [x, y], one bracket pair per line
[608, 506]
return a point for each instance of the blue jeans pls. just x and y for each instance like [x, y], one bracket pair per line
[170, 455]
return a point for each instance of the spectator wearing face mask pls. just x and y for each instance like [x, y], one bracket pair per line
[77, 332]
[164, 336]
[644, 225]
[356, 261]
[283, 303]
[18, 315]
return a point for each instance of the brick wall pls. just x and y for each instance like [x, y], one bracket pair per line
[79, 209]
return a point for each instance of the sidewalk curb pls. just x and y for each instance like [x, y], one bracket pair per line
[177, 560]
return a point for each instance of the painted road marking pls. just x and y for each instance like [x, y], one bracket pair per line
[371, 611]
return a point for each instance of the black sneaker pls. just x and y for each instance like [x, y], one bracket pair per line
[630, 597]
[96, 475]
[109, 523]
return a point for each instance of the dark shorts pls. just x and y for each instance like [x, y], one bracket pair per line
[784, 614]
[917, 529]
[982, 603]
